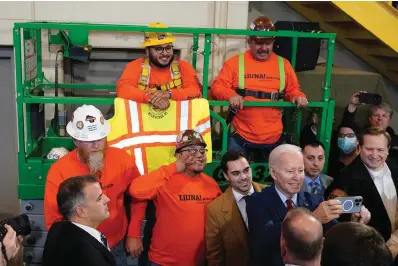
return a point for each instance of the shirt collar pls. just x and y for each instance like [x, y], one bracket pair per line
[239, 196]
[284, 198]
[309, 180]
[377, 174]
[92, 231]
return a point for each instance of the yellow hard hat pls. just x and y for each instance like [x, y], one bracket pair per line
[157, 38]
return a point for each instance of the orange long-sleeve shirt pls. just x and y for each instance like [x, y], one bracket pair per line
[261, 125]
[127, 86]
[119, 171]
[180, 200]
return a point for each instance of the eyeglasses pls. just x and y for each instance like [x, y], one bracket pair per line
[194, 150]
[168, 49]
[349, 135]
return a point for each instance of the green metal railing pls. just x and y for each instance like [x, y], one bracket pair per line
[33, 168]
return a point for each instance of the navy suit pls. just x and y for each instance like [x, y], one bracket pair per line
[265, 212]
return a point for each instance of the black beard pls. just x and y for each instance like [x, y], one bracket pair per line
[156, 63]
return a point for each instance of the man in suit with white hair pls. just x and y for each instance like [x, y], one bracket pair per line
[267, 209]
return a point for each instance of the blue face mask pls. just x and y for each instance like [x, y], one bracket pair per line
[347, 145]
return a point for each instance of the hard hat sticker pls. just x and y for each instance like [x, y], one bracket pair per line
[90, 119]
[161, 37]
[92, 127]
[102, 120]
[79, 125]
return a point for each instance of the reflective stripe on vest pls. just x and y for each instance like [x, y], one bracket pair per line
[146, 73]
[241, 72]
[151, 134]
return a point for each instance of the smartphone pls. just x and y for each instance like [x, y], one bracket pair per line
[350, 204]
[370, 98]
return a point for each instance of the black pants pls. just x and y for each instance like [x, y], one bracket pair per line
[150, 215]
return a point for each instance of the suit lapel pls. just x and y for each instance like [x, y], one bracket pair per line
[322, 178]
[103, 250]
[233, 217]
[394, 176]
[302, 201]
[367, 181]
[280, 208]
[363, 174]
[256, 187]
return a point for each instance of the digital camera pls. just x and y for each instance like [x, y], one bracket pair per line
[20, 224]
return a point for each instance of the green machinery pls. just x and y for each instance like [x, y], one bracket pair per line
[31, 83]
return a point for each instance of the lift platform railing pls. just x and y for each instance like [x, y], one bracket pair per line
[30, 79]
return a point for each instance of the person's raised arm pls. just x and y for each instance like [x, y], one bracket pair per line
[145, 187]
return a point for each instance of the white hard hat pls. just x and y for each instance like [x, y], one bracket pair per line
[57, 153]
[88, 124]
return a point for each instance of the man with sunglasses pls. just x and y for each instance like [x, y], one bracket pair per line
[159, 77]
[257, 75]
[181, 192]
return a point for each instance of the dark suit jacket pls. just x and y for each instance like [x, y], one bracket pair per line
[355, 180]
[226, 233]
[266, 211]
[68, 245]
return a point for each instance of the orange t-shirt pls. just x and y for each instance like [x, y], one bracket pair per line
[127, 86]
[180, 200]
[261, 125]
[119, 171]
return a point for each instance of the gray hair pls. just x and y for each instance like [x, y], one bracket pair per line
[278, 151]
[383, 106]
[71, 194]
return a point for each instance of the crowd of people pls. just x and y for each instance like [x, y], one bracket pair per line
[298, 220]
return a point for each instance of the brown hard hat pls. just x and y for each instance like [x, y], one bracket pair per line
[262, 23]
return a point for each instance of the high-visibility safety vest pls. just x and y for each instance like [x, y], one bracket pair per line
[241, 72]
[174, 71]
[241, 84]
[150, 134]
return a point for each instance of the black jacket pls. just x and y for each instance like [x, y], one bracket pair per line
[68, 244]
[355, 180]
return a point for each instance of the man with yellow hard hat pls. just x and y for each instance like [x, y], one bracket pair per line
[159, 77]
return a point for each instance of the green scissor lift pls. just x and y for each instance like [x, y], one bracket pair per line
[31, 82]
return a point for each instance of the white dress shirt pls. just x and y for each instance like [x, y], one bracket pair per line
[386, 188]
[92, 231]
[284, 198]
[240, 201]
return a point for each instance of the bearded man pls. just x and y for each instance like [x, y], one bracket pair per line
[114, 168]
[159, 77]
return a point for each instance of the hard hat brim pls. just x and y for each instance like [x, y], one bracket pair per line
[91, 137]
[158, 42]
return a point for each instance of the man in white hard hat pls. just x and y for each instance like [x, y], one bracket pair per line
[114, 168]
